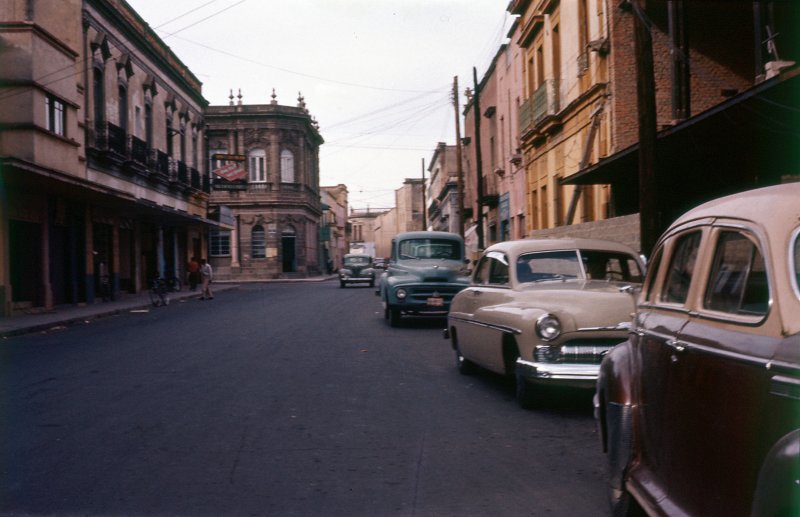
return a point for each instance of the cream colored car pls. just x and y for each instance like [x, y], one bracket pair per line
[545, 311]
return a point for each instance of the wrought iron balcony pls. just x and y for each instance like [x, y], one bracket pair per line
[544, 102]
[138, 150]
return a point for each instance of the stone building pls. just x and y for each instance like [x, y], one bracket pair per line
[101, 137]
[273, 194]
[333, 232]
[442, 191]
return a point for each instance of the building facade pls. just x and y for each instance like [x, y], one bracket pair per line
[275, 205]
[499, 204]
[442, 192]
[101, 132]
[333, 231]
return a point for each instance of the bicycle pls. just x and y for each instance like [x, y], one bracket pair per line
[159, 292]
[173, 284]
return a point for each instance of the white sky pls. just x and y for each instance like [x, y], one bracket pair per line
[376, 74]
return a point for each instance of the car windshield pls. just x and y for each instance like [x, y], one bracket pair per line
[356, 261]
[570, 265]
[429, 248]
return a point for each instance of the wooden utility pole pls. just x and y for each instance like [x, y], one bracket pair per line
[424, 203]
[649, 207]
[460, 170]
[476, 108]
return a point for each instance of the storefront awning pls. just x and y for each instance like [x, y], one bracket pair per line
[750, 140]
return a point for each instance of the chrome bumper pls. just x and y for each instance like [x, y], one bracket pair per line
[559, 374]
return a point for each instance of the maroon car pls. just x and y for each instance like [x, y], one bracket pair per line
[699, 411]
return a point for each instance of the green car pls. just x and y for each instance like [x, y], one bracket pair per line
[357, 269]
[426, 270]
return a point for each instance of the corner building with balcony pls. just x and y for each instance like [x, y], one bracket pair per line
[101, 134]
[275, 209]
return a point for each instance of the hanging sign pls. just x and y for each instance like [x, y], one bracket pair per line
[231, 172]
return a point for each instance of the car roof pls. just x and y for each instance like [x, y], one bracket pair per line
[527, 245]
[776, 210]
[768, 206]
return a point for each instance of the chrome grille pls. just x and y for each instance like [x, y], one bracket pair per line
[577, 351]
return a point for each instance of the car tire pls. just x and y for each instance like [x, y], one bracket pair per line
[463, 365]
[525, 393]
[342, 284]
[393, 315]
[372, 283]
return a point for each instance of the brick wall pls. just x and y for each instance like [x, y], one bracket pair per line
[623, 229]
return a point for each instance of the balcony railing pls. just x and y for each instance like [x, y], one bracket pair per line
[544, 102]
[138, 150]
[113, 146]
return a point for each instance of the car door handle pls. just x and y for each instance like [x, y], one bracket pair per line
[676, 346]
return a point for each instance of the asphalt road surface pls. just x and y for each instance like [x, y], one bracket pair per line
[279, 399]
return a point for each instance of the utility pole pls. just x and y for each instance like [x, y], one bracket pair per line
[649, 206]
[460, 170]
[476, 108]
[424, 203]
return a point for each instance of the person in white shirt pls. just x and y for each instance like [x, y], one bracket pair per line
[206, 277]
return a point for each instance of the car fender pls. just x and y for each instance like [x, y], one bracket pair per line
[614, 407]
[778, 487]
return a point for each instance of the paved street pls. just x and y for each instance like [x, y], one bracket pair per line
[278, 399]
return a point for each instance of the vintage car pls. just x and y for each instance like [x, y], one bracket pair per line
[426, 270]
[545, 311]
[699, 410]
[356, 268]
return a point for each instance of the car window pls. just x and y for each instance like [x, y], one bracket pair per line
[605, 265]
[481, 275]
[652, 267]
[548, 265]
[738, 280]
[681, 268]
[429, 248]
[498, 272]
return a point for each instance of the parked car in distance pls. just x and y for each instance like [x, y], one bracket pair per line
[356, 268]
[699, 410]
[426, 270]
[544, 312]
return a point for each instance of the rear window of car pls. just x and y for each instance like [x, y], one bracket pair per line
[738, 282]
[607, 265]
[548, 265]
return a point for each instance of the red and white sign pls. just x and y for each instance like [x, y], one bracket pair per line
[231, 172]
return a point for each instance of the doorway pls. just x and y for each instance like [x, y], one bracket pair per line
[288, 253]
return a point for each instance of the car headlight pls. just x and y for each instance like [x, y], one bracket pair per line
[548, 327]
[401, 294]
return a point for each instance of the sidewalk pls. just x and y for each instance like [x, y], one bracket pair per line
[65, 315]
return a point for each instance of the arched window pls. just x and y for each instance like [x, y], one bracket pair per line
[257, 162]
[287, 166]
[258, 242]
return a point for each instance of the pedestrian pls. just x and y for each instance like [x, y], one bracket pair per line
[206, 277]
[194, 273]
